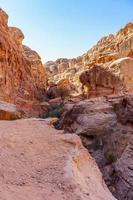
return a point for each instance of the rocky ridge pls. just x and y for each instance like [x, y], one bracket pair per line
[106, 54]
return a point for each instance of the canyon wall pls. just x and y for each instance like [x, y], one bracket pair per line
[112, 54]
[22, 75]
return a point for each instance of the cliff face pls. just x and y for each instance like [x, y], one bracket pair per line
[22, 75]
[106, 54]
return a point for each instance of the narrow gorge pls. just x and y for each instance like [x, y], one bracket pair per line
[66, 126]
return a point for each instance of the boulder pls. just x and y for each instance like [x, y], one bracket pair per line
[9, 111]
[90, 117]
[32, 108]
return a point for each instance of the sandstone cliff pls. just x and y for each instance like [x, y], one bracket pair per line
[22, 75]
[107, 55]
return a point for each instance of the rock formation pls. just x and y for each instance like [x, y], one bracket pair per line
[9, 111]
[113, 54]
[22, 75]
[105, 126]
[105, 123]
[38, 162]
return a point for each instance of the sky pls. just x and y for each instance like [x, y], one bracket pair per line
[66, 28]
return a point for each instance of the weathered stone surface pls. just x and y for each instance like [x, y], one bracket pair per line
[115, 79]
[126, 47]
[99, 82]
[9, 111]
[90, 118]
[52, 91]
[63, 87]
[104, 53]
[38, 162]
[21, 72]
[31, 108]
[105, 127]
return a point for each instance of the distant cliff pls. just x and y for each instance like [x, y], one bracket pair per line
[106, 54]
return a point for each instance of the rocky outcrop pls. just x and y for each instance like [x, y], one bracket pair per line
[99, 82]
[63, 88]
[105, 127]
[126, 47]
[115, 79]
[125, 38]
[104, 54]
[39, 162]
[9, 111]
[68, 70]
[22, 76]
[89, 118]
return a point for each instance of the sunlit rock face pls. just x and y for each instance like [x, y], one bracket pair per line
[104, 54]
[39, 162]
[22, 75]
[116, 79]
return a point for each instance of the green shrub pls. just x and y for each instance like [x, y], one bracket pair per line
[53, 111]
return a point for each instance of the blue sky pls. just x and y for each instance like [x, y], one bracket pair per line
[66, 28]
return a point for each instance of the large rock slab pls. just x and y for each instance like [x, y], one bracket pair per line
[38, 162]
[90, 117]
[9, 111]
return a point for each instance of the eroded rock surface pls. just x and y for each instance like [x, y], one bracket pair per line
[9, 111]
[22, 75]
[115, 79]
[105, 125]
[107, 52]
[39, 162]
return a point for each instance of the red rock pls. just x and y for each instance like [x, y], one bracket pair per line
[22, 75]
[107, 50]
[9, 111]
[38, 162]
[105, 127]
